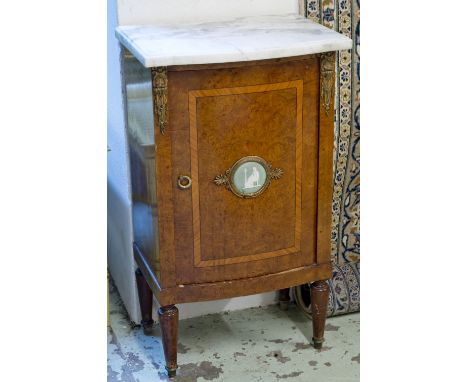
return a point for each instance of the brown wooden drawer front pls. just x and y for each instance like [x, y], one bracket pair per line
[217, 117]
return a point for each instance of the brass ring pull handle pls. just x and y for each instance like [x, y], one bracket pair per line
[184, 182]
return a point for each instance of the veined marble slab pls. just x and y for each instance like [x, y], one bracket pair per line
[241, 39]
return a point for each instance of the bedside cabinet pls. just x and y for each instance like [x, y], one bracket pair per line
[231, 172]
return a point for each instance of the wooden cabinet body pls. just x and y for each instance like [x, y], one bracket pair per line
[197, 239]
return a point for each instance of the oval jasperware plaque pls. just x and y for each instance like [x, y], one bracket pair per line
[248, 177]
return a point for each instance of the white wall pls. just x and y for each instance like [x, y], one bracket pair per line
[119, 230]
[119, 220]
[133, 12]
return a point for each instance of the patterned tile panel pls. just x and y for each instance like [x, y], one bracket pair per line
[344, 289]
[343, 16]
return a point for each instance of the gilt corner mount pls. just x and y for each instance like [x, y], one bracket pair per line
[327, 74]
[159, 76]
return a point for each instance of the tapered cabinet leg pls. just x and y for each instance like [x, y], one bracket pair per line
[319, 292]
[145, 295]
[284, 299]
[169, 321]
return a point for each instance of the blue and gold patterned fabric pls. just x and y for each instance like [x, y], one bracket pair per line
[343, 16]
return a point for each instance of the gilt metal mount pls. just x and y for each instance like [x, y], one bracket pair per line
[327, 74]
[159, 76]
[248, 177]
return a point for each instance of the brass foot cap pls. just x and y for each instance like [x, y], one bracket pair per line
[171, 373]
[147, 327]
[317, 343]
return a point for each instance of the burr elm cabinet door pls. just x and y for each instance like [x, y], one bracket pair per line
[240, 217]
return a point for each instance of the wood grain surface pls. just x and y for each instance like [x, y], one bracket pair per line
[255, 244]
[217, 116]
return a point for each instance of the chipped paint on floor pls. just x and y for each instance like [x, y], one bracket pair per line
[257, 344]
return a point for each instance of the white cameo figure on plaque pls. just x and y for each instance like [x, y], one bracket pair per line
[248, 177]
[252, 180]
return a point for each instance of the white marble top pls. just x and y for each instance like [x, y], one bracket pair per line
[241, 39]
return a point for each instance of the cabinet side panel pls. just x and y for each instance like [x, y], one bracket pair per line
[140, 133]
[325, 176]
